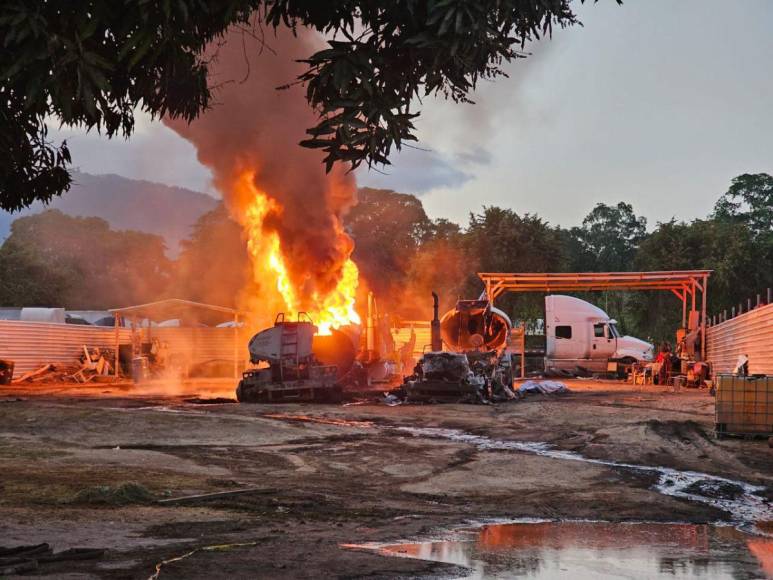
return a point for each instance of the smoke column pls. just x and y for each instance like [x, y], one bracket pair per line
[253, 130]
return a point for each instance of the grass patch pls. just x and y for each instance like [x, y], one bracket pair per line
[129, 493]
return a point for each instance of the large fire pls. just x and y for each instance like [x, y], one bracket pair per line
[330, 310]
[290, 209]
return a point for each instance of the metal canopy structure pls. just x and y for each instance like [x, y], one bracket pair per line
[171, 307]
[683, 283]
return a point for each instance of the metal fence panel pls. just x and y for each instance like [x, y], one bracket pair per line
[750, 333]
[32, 344]
[402, 336]
[198, 345]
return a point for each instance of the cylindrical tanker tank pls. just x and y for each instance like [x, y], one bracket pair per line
[473, 325]
[337, 348]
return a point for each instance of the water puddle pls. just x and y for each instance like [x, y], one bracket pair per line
[594, 550]
[745, 503]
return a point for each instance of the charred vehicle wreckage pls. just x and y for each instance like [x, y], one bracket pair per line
[294, 373]
[294, 363]
[478, 369]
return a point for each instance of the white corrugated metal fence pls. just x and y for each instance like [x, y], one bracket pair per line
[750, 333]
[30, 345]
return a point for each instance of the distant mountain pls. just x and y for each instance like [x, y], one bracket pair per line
[127, 204]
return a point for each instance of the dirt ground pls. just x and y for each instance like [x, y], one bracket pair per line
[344, 476]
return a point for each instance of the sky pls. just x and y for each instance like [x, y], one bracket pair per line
[657, 103]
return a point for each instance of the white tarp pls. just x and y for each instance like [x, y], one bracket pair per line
[544, 387]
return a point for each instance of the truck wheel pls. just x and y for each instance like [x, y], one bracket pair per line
[240, 392]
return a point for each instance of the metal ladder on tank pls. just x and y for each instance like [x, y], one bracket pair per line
[289, 349]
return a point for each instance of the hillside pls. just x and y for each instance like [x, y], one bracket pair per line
[128, 204]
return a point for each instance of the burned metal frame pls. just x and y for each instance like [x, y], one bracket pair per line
[682, 283]
[168, 306]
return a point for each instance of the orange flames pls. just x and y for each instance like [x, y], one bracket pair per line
[331, 310]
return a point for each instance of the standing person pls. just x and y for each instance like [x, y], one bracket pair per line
[664, 358]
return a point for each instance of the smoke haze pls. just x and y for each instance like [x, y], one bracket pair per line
[254, 129]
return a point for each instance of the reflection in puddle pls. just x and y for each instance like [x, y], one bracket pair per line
[595, 550]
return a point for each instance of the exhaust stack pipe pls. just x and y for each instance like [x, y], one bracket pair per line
[370, 329]
[436, 342]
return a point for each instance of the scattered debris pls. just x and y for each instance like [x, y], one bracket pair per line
[31, 375]
[6, 371]
[93, 363]
[94, 366]
[215, 495]
[21, 559]
[392, 400]
[215, 548]
[321, 420]
[211, 401]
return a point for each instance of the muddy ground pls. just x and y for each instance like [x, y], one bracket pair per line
[345, 476]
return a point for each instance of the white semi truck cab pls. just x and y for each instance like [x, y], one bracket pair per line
[579, 334]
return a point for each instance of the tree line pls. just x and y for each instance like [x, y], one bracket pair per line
[51, 259]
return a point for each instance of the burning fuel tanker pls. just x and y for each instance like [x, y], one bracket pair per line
[474, 325]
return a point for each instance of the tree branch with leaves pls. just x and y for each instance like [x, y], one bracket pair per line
[93, 64]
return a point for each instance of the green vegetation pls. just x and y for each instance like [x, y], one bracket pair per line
[52, 259]
[736, 241]
[93, 64]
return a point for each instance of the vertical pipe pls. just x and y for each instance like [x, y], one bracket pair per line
[370, 330]
[703, 317]
[236, 346]
[436, 343]
[748, 304]
[134, 337]
[117, 361]
[684, 307]
[759, 299]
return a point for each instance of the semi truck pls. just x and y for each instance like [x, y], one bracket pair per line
[579, 334]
